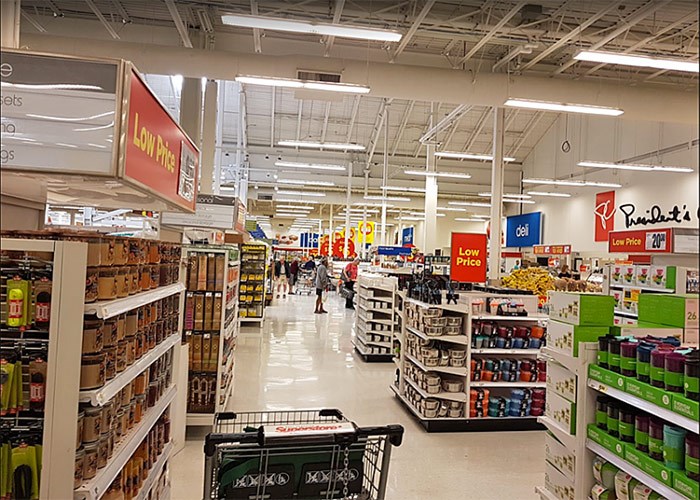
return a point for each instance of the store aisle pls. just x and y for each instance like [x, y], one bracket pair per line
[302, 360]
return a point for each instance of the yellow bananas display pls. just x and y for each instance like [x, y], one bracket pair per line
[534, 279]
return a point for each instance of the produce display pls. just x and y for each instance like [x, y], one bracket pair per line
[535, 279]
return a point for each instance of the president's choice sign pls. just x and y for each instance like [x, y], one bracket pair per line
[524, 230]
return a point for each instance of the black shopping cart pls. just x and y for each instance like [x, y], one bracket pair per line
[300, 454]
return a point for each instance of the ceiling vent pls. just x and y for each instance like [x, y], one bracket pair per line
[264, 195]
[317, 76]
[531, 13]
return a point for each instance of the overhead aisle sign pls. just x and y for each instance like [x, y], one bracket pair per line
[524, 230]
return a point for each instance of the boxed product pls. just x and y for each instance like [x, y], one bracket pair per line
[628, 275]
[561, 381]
[599, 492]
[662, 276]
[557, 483]
[684, 485]
[581, 308]
[680, 311]
[642, 275]
[645, 463]
[647, 392]
[616, 275]
[565, 337]
[646, 329]
[562, 411]
[686, 407]
[607, 377]
[606, 440]
[618, 295]
[559, 456]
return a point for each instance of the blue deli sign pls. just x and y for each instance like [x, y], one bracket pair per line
[407, 236]
[524, 230]
[308, 240]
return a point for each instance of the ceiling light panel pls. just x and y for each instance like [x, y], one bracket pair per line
[600, 56]
[549, 193]
[300, 193]
[309, 166]
[469, 156]
[322, 145]
[563, 107]
[468, 203]
[404, 188]
[268, 81]
[387, 198]
[634, 166]
[556, 182]
[299, 182]
[424, 173]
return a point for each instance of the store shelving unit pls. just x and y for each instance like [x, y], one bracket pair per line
[221, 331]
[376, 317]
[253, 281]
[409, 363]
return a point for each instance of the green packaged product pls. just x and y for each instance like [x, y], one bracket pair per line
[599, 492]
[624, 486]
[643, 492]
[604, 472]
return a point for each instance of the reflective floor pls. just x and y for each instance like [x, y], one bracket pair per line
[301, 360]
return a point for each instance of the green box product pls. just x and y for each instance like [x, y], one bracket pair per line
[581, 308]
[648, 392]
[685, 486]
[561, 381]
[607, 377]
[672, 310]
[563, 412]
[606, 440]
[686, 407]
[565, 337]
[662, 277]
[648, 465]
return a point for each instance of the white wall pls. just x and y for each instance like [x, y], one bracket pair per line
[446, 226]
[571, 220]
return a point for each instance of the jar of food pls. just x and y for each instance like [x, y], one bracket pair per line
[102, 451]
[133, 280]
[141, 316]
[91, 280]
[139, 343]
[144, 277]
[133, 251]
[92, 335]
[121, 327]
[79, 466]
[107, 283]
[81, 427]
[121, 251]
[139, 403]
[94, 250]
[92, 426]
[122, 282]
[121, 356]
[110, 444]
[92, 371]
[152, 394]
[153, 252]
[107, 410]
[141, 383]
[152, 334]
[124, 421]
[127, 394]
[130, 350]
[691, 379]
[110, 362]
[119, 434]
[132, 413]
[90, 462]
[132, 323]
[155, 275]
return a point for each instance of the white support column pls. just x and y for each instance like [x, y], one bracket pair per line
[206, 183]
[431, 194]
[362, 239]
[348, 204]
[191, 109]
[494, 272]
[385, 178]
[9, 23]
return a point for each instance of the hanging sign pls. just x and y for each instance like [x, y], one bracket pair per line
[407, 236]
[309, 240]
[159, 155]
[551, 249]
[239, 222]
[368, 230]
[524, 230]
[211, 211]
[394, 250]
[641, 241]
[468, 257]
[604, 215]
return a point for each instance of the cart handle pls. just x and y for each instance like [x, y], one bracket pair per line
[393, 432]
[326, 412]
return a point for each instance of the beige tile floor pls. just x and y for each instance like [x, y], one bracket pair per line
[300, 360]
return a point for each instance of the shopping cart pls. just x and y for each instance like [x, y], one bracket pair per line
[300, 454]
[305, 282]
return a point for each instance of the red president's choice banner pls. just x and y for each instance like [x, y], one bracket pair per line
[604, 213]
[159, 155]
[468, 257]
[641, 241]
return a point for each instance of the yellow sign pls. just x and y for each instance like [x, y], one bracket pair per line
[368, 230]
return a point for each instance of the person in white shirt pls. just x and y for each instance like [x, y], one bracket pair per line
[281, 275]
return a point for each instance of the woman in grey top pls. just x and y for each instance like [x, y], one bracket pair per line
[322, 283]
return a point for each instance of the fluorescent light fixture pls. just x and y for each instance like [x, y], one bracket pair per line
[633, 166]
[373, 204]
[299, 182]
[404, 188]
[514, 200]
[289, 200]
[421, 214]
[469, 203]
[468, 156]
[300, 193]
[286, 216]
[296, 207]
[452, 209]
[453, 175]
[600, 56]
[563, 107]
[410, 217]
[507, 195]
[468, 219]
[269, 81]
[322, 145]
[549, 193]
[387, 198]
[309, 166]
[556, 182]
[311, 27]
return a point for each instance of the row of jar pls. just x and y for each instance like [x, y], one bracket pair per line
[100, 429]
[112, 282]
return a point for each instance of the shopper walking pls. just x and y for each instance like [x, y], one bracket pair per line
[282, 276]
[293, 273]
[349, 277]
[322, 282]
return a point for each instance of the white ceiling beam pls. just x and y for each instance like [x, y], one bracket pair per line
[412, 30]
[126, 19]
[433, 107]
[445, 122]
[572, 34]
[402, 126]
[301, 108]
[494, 31]
[376, 130]
[33, 22]
[272, 117]
[337, 13]
[643, 12]
[179, 23]
[54, 8]
[353, 117]
[445, 145]
[526, 132]
[477, 129]
[256, 31]
[102, 19]
[326, 115]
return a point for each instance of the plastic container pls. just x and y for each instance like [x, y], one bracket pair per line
[641, 433]
[692, 456]
[602, 358]
[628, 359]
[613, 419]
[643, 365]
[90, 462]
[658, 363]
[626, 426]
[614, 354]
[92, 371]
[673, 372]
[656, 438]
[674, 447]
[691, 378]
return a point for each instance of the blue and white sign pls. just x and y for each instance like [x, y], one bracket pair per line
[524, 230]
[308, 240]
[407, 236]
[258, 234]
[393, 250]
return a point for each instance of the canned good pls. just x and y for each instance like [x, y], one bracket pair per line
[107, 283]
[90, 462]
[92, 371]
[79, 467]
[102, 451]
[92, 336]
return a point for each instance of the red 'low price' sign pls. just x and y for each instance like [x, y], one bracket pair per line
[468, 258]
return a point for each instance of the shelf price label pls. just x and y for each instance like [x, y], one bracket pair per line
[656, 241]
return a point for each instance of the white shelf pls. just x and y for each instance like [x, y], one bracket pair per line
[477, 383]
[200, 419]
[98, 397]
[545, 494]
[98, 485]
[642, 287]
[510, 352]
[451, 396]
[250, 319]
[105, 309]
[493, 317]
[155, 472]
[384, 333]
[669, 416]
[375, 320]
[564, 437]
[452, 370]
[569, 362]
[370, 309]
[378, 298]
[370, 343]
[359, 348]
[416, 412]
[633, 471]
[377, 287]
[626, 314]
[455, 339]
